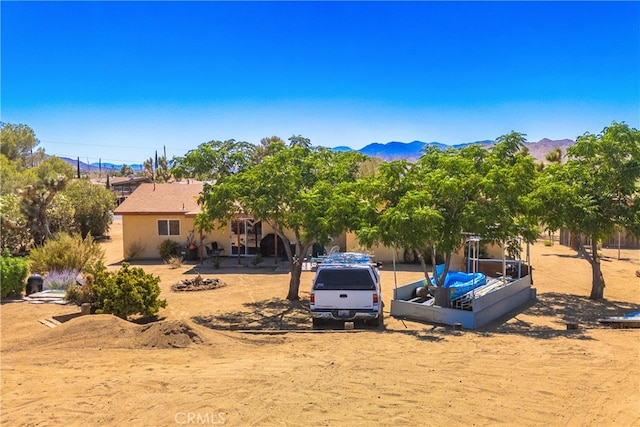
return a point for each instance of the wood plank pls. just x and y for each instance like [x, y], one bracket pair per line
[47, 322]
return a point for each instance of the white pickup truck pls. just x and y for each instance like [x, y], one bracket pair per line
[346, 287]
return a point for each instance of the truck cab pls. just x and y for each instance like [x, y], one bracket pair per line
[346, 287]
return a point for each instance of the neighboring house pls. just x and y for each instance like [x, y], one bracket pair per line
[124, 186]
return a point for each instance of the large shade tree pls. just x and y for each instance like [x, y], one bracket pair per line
[595, 191]
[294, 188]
[93, 207]
[431, 203]
[214, 160]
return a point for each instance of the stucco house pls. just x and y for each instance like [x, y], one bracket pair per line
[156, 212]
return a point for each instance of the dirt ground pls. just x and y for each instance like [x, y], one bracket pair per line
[196, 365]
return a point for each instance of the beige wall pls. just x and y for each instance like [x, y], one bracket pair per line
[385, 254]
[140, 234]
[140, 237]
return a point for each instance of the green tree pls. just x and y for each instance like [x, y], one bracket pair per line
[52, 176]
[126, 170]
[61, 212]
[267, 147]
[17, 143]
[594, 192]
[426, 204]
[213, 160]
[295, 189]
[15, 235]
[554, 156]
[147, 168]
[429, 204]
[163, 172]
[299, 140]
[13, 176]
[94, 207]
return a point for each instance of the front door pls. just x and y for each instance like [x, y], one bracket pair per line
[245, 237]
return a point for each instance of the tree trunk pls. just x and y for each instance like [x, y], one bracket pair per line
[597, 280]
[294, 282]
[443, 295]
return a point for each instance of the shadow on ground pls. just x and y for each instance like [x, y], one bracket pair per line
[566, 309]
[273, 314]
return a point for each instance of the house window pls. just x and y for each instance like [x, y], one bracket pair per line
[168, 227]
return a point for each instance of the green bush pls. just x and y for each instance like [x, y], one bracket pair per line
[548, 242]
[80, 294]
[65, 252]
[94, 271]
[94, 205]
[130, 291]
[13, 273]
[168, 248]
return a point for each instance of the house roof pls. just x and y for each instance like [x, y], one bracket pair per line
[174, 198]
[124, 180]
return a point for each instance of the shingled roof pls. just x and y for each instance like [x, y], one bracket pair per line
[174, 198]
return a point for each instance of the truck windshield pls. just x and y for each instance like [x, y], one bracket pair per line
[344, 279]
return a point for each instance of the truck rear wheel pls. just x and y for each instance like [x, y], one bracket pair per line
[379, 322]
[317, 323]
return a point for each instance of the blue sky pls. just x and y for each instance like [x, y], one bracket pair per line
[119, 80]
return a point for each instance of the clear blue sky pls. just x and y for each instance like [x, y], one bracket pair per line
[119, 80]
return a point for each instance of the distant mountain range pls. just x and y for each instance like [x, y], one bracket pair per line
[97, 167]
[390, 151]
[413, 150]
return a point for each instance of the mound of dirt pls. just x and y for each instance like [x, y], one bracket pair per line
[94, 331]
[197, 284]
[107, 331]
[167, 334]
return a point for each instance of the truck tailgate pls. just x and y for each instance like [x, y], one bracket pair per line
[344, 299]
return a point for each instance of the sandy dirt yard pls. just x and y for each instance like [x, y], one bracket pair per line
[192, 367]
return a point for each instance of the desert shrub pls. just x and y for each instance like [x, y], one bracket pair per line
[129, 291]
[174, 261]
[548, 242]
[13, 273]
[134, 249]
[168, 248]
[257, 259]
[60, 279]
[65, 252]
[80, 294]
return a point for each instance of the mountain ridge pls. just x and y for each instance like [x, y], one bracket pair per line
[392, 150]
[395, 150]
